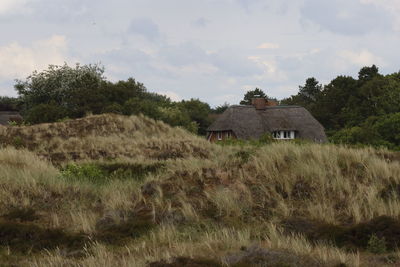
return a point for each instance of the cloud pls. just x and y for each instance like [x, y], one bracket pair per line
[234, 63]
[172, 95]
[268, 46]
[7, 6]
[17, 61]
[200, 22]
[145, 27]
[361, 58]
[391, 6]
[246, 4]
[183, 54]
[348, 17]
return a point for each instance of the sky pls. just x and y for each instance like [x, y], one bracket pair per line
[214, 50]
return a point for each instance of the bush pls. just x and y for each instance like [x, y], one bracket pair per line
[45, 113]
[18, 142]
[85, 173]
[376, 245]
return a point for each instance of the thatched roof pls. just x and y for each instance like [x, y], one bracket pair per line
[6, 116]
[248, 123]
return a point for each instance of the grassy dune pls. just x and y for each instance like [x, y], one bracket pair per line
[111, 190]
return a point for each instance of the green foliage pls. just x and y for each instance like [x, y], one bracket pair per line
[9, 103]
[113, 108]
[251, 94]
[18, 142]
[221, 108]
[376, 245]
[42, 113]
[198, 112]
[382, 131]
[73, 92]
[243, 155]
[102, 173]
[174, 116]
[265, 139]
[84, 173]
[357, 112]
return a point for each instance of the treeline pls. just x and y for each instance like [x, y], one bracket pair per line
[62, 92]
[363, 111]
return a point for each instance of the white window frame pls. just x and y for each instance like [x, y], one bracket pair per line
[283, 135]
[219, 136]
[228, 134]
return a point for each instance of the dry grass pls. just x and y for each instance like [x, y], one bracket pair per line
[107, 136]
[206, 201]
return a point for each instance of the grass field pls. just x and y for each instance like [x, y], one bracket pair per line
[110, 190]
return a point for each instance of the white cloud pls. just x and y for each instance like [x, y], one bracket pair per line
[17, 61]
[248, 87]
[268, 46]
[172, 95]
[361, 58]
[7, 6]
[392, 6]
[228, 98]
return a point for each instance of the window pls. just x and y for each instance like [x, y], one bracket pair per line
[228, 134]
[283, 134]
[219, 136]
[276, 134]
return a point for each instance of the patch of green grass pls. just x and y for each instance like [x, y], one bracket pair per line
[18, 142]
[102, 173]
[376, 245]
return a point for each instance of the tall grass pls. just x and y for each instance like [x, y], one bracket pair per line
[200, 200]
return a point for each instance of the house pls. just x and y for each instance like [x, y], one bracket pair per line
[9, 116]
[263, 116]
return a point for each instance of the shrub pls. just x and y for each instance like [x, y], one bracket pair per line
[376, 245]
[85, 172]
[18, 142]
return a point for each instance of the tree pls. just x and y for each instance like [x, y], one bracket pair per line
[198, 112]
[311, 90]
[75, 89]
[48, 112]
[221, 108]
[367, 73]
[8, 103]
[252, 94]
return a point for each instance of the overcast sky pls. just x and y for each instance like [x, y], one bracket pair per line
[214, 50]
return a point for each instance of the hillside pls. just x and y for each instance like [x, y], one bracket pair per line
[128, 191]
[106, 136]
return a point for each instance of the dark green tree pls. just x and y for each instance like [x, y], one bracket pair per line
[251, 94]
[74, 89]
[368, 73]
[311, 90]
[221, 108]
[198, 112]
[9, 103]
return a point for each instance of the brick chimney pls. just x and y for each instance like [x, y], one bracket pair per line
[259, 103]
